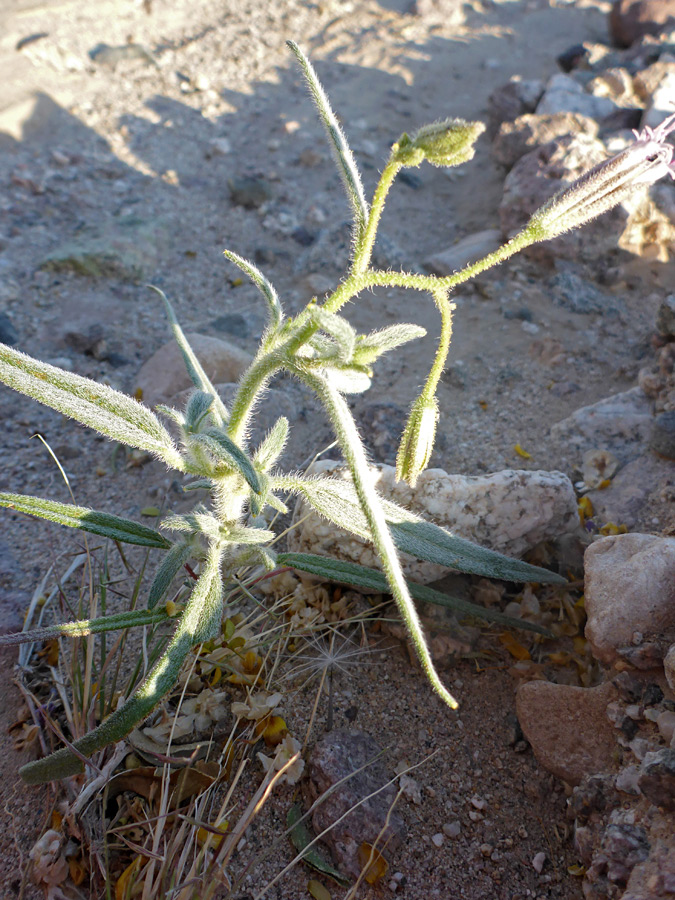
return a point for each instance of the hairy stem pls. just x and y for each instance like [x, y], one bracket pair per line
[364, 247]
[354, 453]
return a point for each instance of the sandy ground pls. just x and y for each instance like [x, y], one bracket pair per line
[84, 142]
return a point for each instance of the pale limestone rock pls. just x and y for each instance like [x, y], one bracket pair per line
[567, 726]
[164, 375]
[669, 666]
[630, 598]
[509, 511]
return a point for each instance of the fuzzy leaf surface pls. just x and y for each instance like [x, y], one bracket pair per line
[336, 500]
[103, 524]
[97, 406]
[83, 627]
[360, 576]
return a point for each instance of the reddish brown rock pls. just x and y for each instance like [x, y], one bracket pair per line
[630, 20]
[630, 598]
[568, 727]
[537, 176]
[349, 765]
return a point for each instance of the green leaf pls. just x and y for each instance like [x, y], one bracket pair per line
[272, 446]
[301, 838]
[224, 450]
[359, 576]
[371, 346]
[339, 329]
[261, 283]
[243, 535]
[343, 155]
[84, 627]
[97, 406]
[200, 622]
[172, 563]
[196, 409]
[336, 500]
[194, 368]
[93, 521]
[348, 379]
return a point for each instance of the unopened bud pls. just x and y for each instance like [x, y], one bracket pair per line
[607, 184]
[417, 443]
[446, 143]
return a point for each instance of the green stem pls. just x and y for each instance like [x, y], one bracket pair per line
[446, 309]
[365, 245]
[159, 681]
[252, 384]
[354, 453]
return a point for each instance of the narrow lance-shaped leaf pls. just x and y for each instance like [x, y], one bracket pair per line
[225, 450]
[343, 155]
[371, 346]
[199, 622]
[336, 500]
[263, 285]
[84, 627]
[273, 445]
[90, 520]
[198, 376]
[339, 329]
[360, 576]
[172, 563]
[95, 405]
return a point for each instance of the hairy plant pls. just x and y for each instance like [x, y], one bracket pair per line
[320, 347]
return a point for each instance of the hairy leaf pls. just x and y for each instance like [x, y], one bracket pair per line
[360, 576]
[95, 405]
[93, 521]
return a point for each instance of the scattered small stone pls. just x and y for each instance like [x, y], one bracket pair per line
[410, 788]
[564, 94]
[452, 829]
[538, 862]
[8, 333]
[662, 437]
[438, 840]
[514, 99]
[232, 323]
[570, 291]
[669, 667]
[111, 57]
[626, 780]
[470, 248]
[478, 803]
[486, 849]
[657, 778]
[250, 191]
[665, 317]
[219, 146]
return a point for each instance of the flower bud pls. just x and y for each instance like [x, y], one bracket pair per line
[417, 442]
[446, 143]
[607, 184]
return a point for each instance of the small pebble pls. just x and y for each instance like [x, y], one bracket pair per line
[437, 840]
[486, 849]
[538, 862]
[478, 803]
[452, 829]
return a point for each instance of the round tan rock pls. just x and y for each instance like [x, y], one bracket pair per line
[568, 727]
[164, 375]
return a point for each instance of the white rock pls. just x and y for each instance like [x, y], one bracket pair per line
[471, 248]
[509, 511]
[164, 375]
[564, 94]
[619, 423]
[669, 666]
[662, 102]
[630, 598]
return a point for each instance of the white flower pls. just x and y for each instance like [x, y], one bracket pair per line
[286, 750]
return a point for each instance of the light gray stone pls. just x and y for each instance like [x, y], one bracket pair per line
[469, 249]
[627, 498]
[164, 375]
[509, 511]
[565, 94]
[619, 423]
[662, 102]
[630, 598]
[669, 666]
